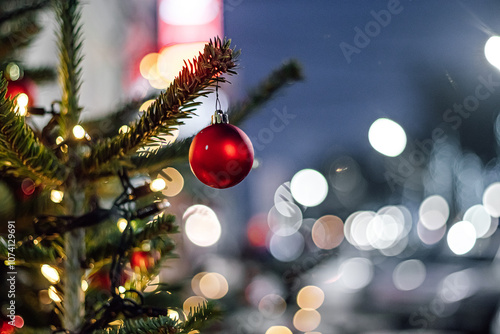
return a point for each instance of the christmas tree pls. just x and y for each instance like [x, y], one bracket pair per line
[98, 274]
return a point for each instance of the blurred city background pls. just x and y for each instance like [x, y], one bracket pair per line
[374, 199]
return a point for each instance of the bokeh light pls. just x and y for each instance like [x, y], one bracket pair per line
[157, 184]
[272, 306]
[123, 129]
[50, 273]
[430, 237]
[213, 286]
[257, 230]
[54, 295]
[174, 181]
[22, 102]
[261, 286]
[188, 12]
[121, 224]
[480, 219]
[490, 199]
[356, 227]
[285, 224]
[278, 330]
[457, 286]
[434, 212]
[356, 273]
[84, 285]
[310, 297]
[192, 303]
[145, 105]
[309, 187]
[202, 226]
[195, 283]
[492, 51]
[286, 248]
[387, 137]
[56, 196]
[79, 132]
[409, 275]
[328, 232]
[171, 58]
[28, 186]
[148, 66]
[461, 237]
[306, 320]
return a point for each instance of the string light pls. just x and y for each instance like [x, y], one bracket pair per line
[22, 101]
[122, 224]
[54, 295]
[79, 132]
[56, 196]
[158, 184]
[50, 273]
[124, 129]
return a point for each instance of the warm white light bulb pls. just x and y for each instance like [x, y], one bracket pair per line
[50, 273]
[56, 196]
[158, 184]
[78, 132]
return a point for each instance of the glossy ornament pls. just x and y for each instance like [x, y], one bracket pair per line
[221, 155]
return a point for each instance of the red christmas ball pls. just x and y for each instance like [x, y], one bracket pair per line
[221, 155]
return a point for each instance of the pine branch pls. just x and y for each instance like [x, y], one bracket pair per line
[104, 245]
[29, 253]
[26, 8]
[169, 108]
[109, 125]
[70, 45]
[41, 74]
[200, 317]
[258, 96]
[27, 156]
[159, 325]
[18, 36]
[161, 224]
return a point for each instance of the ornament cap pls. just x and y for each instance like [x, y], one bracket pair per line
[220, 117]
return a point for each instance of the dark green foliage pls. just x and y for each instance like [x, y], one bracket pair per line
[70, 45]
[102, 244]
[21, 152]
[30, 253]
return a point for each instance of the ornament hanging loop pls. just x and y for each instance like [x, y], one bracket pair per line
[219, 116]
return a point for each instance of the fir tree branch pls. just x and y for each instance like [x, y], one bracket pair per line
[26, 8]
[27, 156]
[266, 90]
[70, 45]
[200, 317]
[109, 125]
[18, 36]
[169, 108]
[158, 325]
[40, 74]
[104, 245]
[32, 254]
